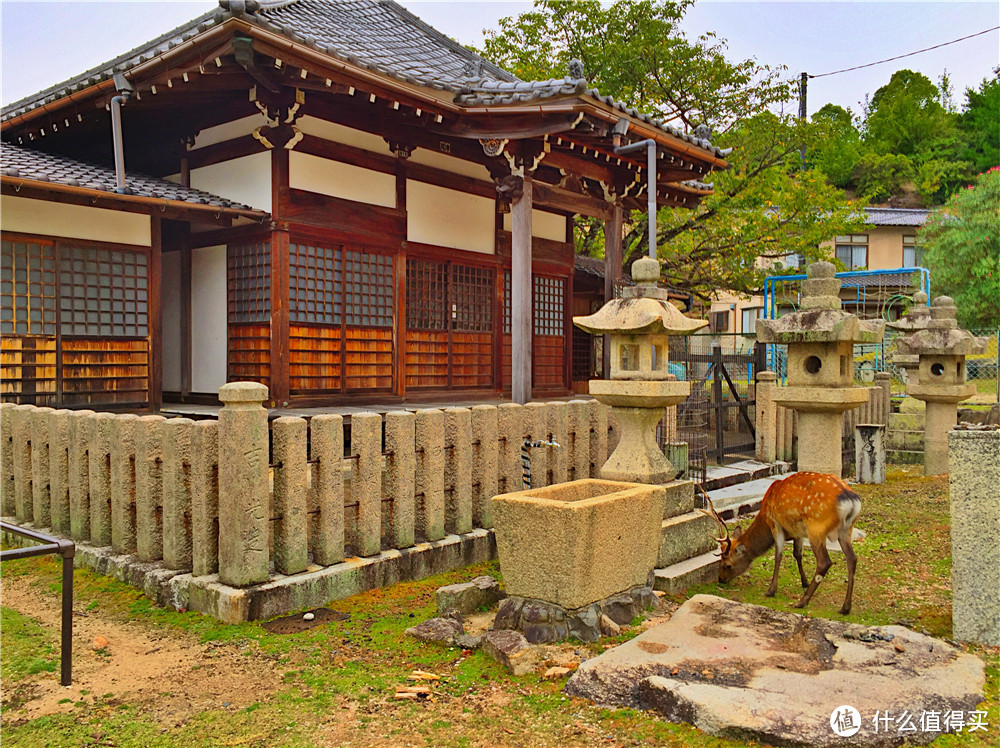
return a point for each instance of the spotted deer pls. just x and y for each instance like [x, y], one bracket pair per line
[816, 506]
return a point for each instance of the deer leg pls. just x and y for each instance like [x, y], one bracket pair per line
[797, 552]
[779, 545]
[844, 536]
[823, 564]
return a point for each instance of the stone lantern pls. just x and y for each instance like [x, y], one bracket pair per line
[820, 339]
[917, 318]
[941, 349]
[640, 387]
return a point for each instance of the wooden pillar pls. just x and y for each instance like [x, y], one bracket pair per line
[185, 321]
[279, 282]
[612, 272]
[399, 283]
[155, 302]
[520, 295]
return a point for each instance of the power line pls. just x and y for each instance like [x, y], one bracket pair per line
[908, 54]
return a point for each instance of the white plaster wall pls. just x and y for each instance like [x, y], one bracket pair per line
[436, 215]
[170, 296]
[29, 216]
[544, 225]
[229, 130]
[341, 134]
[337, 179]
[450, 163]
[208, 311]
[246, 180]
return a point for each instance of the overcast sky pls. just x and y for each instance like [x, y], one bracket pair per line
[44, 43]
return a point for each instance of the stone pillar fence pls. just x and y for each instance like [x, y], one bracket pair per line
[248, 500]
[776, 426]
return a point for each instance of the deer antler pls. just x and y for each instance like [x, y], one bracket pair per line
[715, 515]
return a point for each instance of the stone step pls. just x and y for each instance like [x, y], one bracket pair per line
[909, 440]
[676, 578]
[684, 536]
[907, 421]
[738, 501]
[722, 476]
[904, 457]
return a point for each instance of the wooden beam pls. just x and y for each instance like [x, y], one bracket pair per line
[572, 202]
[512, 127]
[185, 320]
[399, 288]
[521, 301]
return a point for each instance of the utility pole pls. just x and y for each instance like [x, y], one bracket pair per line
[803, 110]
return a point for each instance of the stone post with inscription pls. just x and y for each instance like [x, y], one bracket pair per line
[243, 484]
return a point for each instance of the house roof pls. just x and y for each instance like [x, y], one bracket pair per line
[896, 216]
[17, 163]
[377, 35]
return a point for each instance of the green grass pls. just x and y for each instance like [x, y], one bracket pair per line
[334, 683]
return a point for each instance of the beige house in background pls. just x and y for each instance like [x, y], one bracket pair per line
[888, 243]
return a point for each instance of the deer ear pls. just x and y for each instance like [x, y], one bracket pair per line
[737, 532]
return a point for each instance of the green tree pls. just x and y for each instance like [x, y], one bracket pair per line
[837, 154]
[906, 116]
[764, 206]
[962, 250]
[980, 123]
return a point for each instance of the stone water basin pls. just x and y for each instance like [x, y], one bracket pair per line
[576, 543]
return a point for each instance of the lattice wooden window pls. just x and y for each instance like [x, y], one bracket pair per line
[103, 292]
[315, 284]
[27, 288]
[549, 305]
[368, 289]
[506, 302]
[426, 295]
[471, 298]
[249, 271]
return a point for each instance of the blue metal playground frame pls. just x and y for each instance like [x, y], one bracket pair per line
[771, 305]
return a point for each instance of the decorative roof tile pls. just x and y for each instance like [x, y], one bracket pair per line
[26, 163]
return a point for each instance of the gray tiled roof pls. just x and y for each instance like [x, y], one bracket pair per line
[25, 163]
[494, 93]
[378, 35]
[896, 216]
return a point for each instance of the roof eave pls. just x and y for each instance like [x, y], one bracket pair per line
[142, 204]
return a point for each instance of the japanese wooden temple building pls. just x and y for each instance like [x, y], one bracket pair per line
[332, 199]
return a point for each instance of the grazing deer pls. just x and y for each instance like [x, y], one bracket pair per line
[803, 505]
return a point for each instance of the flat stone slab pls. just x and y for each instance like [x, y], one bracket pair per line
[747, 672]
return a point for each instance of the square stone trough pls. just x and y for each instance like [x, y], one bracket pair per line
[578, 543]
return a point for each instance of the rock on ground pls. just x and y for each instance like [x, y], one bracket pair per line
[469, 597]
[751, 673]
[444, 630]
[511, 650]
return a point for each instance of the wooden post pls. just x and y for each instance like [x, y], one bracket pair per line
[155, 302]
[612, 272]
[720, 440]
[279, 283]
[520, 295]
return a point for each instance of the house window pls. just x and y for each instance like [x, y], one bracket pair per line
[368, 289]
[913, 255]
[852, 251]
[719, 321]
[249, 271]
[440, 296]
[750, 317]
[549, 306]
[103, 293]
[315, 283]
[27, 288]
[795, 260]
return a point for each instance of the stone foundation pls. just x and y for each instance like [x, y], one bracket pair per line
[542, 621]
[316, 586]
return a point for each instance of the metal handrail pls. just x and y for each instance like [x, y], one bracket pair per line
[67, 550]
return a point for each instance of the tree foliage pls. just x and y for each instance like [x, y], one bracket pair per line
[962, 250]
[764, 206]
[980, 123]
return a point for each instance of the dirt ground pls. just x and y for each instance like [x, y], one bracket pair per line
[168, 672]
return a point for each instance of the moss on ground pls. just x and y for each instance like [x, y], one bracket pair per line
[336, 681]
